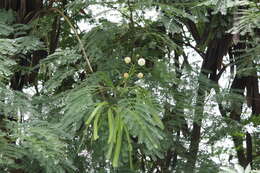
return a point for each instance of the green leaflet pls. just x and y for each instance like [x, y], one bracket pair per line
[145, 109]
[144, 128]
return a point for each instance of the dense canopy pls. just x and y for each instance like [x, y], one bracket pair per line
[154, 86]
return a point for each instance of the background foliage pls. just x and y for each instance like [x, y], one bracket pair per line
[66, 105]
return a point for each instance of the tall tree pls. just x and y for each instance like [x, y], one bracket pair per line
[165, 86]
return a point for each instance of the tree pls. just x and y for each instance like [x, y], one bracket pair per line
[158, 94]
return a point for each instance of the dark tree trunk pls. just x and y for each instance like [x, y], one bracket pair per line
[217, 48]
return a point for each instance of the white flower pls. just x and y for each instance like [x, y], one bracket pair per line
[126, 75]
[141, 62]
[140, 75]
[127, 60]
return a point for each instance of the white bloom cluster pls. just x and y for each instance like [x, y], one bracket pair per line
[141, 62]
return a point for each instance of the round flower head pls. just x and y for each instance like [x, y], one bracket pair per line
[126, 75]
[127, 60]
[141, 62]
[140, 75]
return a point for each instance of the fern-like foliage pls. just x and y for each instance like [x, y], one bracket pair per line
[27, 143]
[154, 99]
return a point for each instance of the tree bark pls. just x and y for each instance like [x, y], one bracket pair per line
[217, 48]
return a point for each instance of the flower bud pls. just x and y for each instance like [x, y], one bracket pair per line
[127, 60]
[126, 75]
[140, 75]
[141, 62]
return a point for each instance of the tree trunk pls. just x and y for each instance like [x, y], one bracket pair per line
[217, 48]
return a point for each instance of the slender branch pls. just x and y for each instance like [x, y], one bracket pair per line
[201, 53]
[193, 29]
[77, 36]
